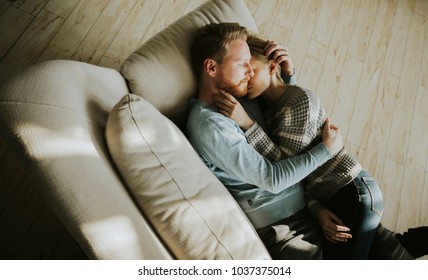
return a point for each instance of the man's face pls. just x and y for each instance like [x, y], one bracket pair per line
[235, 71]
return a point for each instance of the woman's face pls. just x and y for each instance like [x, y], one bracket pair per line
[261, 79]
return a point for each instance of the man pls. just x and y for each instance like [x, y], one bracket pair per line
[268, 193]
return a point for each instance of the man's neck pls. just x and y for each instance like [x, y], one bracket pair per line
[206, 92]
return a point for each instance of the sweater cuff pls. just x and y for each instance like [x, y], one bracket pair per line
[253, 129]
[291, 80]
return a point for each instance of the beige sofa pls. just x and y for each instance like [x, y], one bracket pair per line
[120, 175]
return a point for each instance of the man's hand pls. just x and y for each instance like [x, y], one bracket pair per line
[281, 56]
[333, 228]
[331, 137]
[231, 108]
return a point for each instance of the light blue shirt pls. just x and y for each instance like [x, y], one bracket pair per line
[266, 191]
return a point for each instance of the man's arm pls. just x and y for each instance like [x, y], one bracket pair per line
[221, 142]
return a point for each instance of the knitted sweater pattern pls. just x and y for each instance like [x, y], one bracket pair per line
[295, 125]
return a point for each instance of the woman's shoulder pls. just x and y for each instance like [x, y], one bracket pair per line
[300, 91]
[295, 95]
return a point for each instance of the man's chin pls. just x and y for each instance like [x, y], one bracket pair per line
[236, 92]
[241, 93]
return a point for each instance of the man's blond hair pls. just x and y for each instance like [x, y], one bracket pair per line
[212, 41]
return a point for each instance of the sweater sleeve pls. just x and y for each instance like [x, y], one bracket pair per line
[261, 142]
[291, 80]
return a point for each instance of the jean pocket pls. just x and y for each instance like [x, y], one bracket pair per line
[376, 195]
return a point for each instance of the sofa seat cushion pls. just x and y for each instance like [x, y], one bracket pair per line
[193, 213]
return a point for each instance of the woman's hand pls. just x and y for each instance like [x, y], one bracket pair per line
[281, 56]
[231, 108]
[333, 228]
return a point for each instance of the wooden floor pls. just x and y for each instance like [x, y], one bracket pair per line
[366, 59]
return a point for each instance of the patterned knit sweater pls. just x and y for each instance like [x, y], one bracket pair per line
[295, 124]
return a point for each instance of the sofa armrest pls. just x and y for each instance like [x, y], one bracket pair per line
[53, 116]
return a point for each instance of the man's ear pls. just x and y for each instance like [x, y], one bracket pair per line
[210, 66]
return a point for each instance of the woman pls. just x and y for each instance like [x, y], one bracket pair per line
[295, 118]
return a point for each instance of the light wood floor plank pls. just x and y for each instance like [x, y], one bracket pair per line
[363, 29]
[347, 94]
[392, 182]
[400, 30]
[312, 67]
[74, 30]
[131, 33]
[280, 34]
[287, 13]
[12, 23]
[303, 30]
[99, 38]
[412, 197]
[169, 12]
[265, 16]
[406, 95]
[421, 7]
[424, 210]
[370, 80]
[327, 19]
[381, 126]
[336, 54]
[4, 5]
[30, 6]
[62, 8]
[31, 44]
[423, 80]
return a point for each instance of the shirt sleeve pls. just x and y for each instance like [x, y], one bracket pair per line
[314, 205]
[221, 142]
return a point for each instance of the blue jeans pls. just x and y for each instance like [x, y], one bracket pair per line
[360, 206]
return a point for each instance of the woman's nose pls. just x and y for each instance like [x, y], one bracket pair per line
[250, 70]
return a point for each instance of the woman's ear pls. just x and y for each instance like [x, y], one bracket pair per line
[272, 66]
[210, 66]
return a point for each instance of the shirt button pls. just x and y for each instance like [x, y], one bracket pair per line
[250, 202]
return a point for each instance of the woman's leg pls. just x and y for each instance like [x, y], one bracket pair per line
[369, 214]
[360, 205]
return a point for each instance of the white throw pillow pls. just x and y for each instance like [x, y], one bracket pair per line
[188, 207]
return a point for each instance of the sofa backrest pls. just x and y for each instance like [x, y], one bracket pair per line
[160, 70]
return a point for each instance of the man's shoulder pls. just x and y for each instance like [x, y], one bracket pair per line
[204, 114]
[205, 121]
